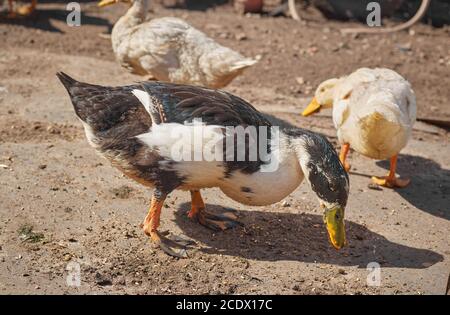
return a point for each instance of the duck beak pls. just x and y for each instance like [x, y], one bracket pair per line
[312, 108]
[334, 220]
[105, 3]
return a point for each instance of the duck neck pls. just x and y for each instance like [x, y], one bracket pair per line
[137, 13]
[321, 167]
[135, 16]
[310, 149]
[301, 150]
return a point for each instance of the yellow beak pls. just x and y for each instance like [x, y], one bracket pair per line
[334, 220]
[105, 3]
[312, 108]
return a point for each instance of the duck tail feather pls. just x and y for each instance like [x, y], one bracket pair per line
[66, 80]
[242, 64]
[101, 107]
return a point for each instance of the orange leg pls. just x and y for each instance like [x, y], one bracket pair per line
[27, 9]
[176, 246]
[343, 156]
[390, 180]
[12, 13]
[217, 222]
[151, 221]
[197, 203]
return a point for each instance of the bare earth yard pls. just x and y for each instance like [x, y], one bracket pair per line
[60, 202]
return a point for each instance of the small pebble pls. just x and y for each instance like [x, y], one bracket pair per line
[374, 186]
[300, 80]
[241, 36]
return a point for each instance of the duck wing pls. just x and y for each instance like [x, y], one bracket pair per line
[183, 103]
[116, 115]
[174, 103]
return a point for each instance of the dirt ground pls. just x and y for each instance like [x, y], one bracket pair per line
[61, 203]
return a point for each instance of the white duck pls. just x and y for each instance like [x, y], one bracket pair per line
[169, 49]
[373, 111]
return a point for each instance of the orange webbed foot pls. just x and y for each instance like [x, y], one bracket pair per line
[26, 10]
[175, 246]
[389, 182]
[217, 222]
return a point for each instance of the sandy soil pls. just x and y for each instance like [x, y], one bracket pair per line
[62, 203]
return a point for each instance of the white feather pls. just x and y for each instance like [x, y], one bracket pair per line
[374, 111]
[167, 138]
[90, 135]
[146, 100]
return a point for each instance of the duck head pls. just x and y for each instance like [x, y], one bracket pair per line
[323, 97]
[327, 178]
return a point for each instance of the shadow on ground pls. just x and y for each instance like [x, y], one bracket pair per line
[197, 5]
[430, 184]
[42, 19]
[302, 237]
[437, 13]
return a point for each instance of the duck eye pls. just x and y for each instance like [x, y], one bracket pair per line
[337, 216]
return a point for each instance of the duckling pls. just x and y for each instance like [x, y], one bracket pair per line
[150, 132]
[169, 49]
[374, 111]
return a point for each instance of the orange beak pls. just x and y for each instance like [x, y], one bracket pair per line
[105, 3]
[312, 108]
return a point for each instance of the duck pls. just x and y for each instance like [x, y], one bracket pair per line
[23, 10]
[374, 110]
[170, 137]
[169, 49]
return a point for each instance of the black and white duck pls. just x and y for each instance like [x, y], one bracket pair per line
[140, 128]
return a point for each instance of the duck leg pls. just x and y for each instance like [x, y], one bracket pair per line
[174, 247]
[196, 203]
[216, 222]
[390, 180]
[150, 77]
[27, 9]
[343, 156]
[11, 13]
